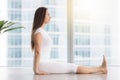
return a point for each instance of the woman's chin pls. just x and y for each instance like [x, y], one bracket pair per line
[47, 22]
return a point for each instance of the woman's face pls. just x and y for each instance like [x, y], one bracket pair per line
[47, 17]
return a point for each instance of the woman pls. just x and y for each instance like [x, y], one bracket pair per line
[41, 45]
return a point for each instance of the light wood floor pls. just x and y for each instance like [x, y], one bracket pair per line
[26, 73]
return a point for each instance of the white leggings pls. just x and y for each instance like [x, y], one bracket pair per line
[58, 67]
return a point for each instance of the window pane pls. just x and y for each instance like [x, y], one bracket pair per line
[93, 31]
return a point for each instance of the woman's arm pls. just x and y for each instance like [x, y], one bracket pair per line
[37, 41]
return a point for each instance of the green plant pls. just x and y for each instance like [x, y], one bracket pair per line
[5, 26]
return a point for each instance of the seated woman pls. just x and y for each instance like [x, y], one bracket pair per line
[41, 45]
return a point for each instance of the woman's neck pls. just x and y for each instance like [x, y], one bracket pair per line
[43, 26]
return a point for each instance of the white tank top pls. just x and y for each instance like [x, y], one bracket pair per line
[45, 45]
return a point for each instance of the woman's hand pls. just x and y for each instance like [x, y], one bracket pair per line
[38, 72]
[41, 73]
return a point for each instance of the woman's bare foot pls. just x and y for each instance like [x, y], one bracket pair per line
[104, 65]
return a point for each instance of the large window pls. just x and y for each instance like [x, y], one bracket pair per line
[82, 31]
[93, 33]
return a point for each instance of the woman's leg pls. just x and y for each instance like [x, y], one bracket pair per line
[89, 70]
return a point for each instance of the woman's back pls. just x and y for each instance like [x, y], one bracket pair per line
[45, 46]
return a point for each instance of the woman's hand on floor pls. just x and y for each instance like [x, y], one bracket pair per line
[38, 72]
[41, 73]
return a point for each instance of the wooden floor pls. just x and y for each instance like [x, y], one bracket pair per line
[25, 73]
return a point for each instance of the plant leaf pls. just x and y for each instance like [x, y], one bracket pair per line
[1, 23]
[10, 29]
[8, 24]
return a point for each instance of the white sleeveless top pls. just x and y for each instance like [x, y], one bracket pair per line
[45, 45]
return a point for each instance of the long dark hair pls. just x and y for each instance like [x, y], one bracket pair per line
[39, 17]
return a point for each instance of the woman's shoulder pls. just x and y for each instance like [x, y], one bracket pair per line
[38, 31]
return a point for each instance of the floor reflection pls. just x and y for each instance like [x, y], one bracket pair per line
[71, 77]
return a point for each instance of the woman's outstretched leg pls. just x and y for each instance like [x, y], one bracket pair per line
[89, 70]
